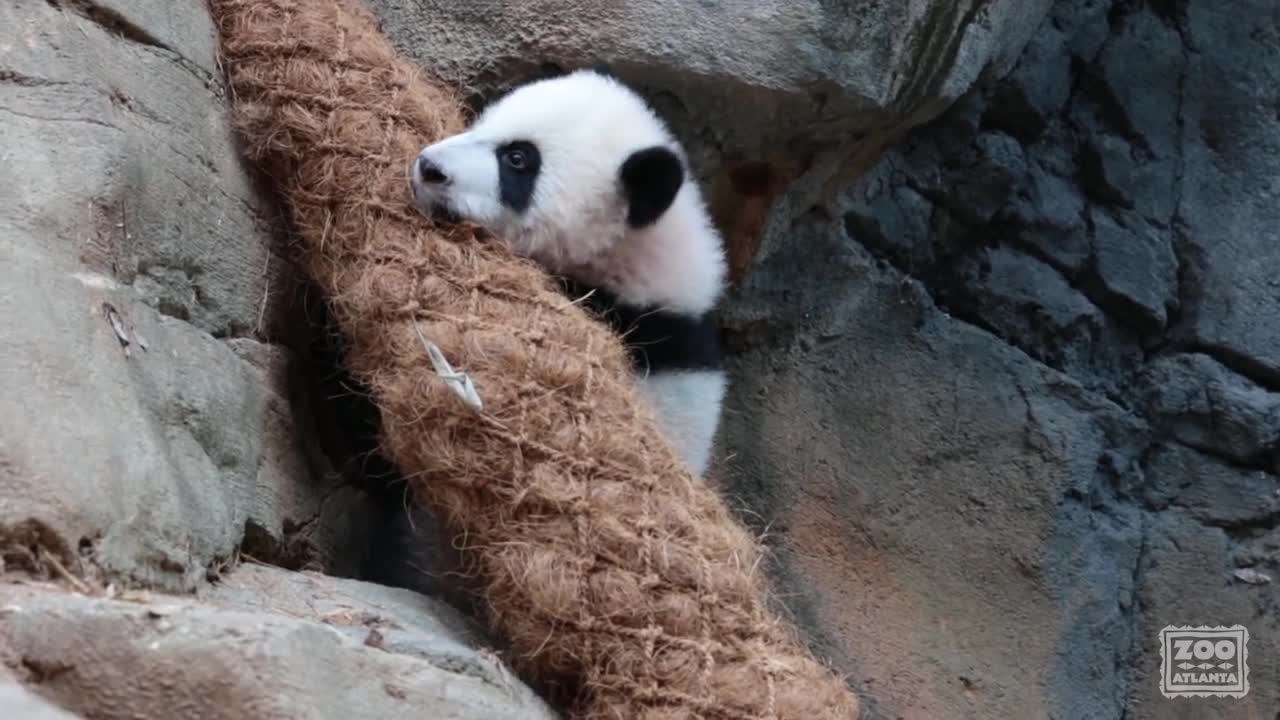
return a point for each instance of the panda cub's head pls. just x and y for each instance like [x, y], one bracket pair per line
[577, 173]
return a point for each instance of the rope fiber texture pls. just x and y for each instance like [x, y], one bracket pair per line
[610, 568]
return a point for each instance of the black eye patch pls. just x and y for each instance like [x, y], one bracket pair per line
[518, 166]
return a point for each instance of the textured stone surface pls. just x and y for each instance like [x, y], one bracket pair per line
[1183, 583]
[1007, 405]
[21, 704]
[115, 122]
[268, 643]
[151, 464]
[1204, 405]
[812, 69]
[128, 214]
[929, 490]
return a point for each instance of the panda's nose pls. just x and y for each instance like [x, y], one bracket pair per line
[430, 173]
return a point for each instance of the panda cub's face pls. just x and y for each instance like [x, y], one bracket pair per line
[562, 169]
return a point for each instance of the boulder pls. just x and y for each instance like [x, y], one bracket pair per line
[930, 493]
[1007, 405]
[20, 703]
[152, 417]
[265, 643]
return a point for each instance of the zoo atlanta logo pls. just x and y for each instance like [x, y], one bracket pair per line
[1204, 661]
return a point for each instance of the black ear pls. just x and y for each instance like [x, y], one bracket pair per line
[650, 178]
[602, 69]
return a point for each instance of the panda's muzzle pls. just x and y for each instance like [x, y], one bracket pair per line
[444, 213]
[429, 173]
[428, 180]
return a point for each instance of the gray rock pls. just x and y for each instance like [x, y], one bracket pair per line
[406, 622]
[147, 433]
[268, 644]
[1138, 73]
[1212, 492]
[1208, 407]
[1108, 164]
[893, 218]
[1025, 300]
[1229, 203]
[1137, 272]
[811, 70]
[1185, 581]
[1047, 201]
[150, 458]
[127, 160]
[1093, 235]
[1041, 82]
[18, 703]
[931, 494]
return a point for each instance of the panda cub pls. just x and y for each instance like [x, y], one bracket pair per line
[579, 174]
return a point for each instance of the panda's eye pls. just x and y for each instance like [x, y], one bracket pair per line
[515, 159]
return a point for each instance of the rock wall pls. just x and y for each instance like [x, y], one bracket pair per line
[1006, 384]
[1009, 404]
[160, 430]
[264, 643]
[157, 414]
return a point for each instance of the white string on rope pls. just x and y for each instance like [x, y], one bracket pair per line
[459, 382]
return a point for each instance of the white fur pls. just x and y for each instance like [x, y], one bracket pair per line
[585, 126]
[682, 401]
